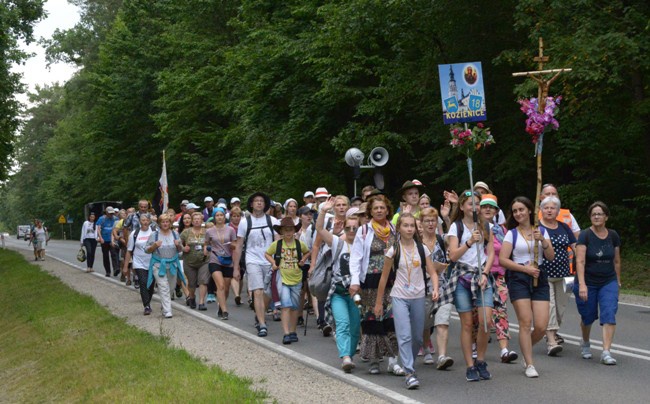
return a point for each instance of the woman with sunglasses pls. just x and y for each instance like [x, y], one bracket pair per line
[598, 268]
[339, 304]
[529, 298]
[472, 252]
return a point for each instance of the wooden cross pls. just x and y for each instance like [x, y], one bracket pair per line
[543, 85]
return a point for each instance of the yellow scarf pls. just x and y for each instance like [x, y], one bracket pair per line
[383, 232]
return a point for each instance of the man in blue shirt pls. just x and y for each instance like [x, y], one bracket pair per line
[105, 226]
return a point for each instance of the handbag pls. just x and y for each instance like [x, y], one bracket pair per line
[81, 255]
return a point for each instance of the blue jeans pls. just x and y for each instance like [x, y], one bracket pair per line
[348, 324]
[409, 326]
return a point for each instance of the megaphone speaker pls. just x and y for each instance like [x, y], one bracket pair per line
[379, 156]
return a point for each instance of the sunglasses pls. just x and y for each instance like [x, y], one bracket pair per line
[351, 228]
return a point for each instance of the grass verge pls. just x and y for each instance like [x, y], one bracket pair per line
[635, 273]
[58, 345]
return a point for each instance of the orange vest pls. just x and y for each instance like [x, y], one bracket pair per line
[564, 216]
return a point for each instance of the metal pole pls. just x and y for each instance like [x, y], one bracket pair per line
[478, 247]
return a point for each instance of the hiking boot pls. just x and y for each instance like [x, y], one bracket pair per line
[471, 375]
[192, 303]
[326, 330]
[286, 340]
[606, 358]
[585, 350]
[481, 366]
[444, 362]
[293, 336]
[179, 292]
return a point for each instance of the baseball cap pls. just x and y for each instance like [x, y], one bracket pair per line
[110, 209]
[308, 194]
[234, 199]
[489, 199]
[184, 202]
[208, 199]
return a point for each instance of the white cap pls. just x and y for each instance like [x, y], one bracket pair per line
[110, 209]
[208, 199]
[192, 206]
[222, 205]
[308, 194]
[234, 199]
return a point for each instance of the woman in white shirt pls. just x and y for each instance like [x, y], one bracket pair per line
[527, 283]
[135, 250]
[89, 240]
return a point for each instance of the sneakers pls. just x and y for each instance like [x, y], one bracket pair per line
[559, 339]
[606, 358]
[474, 353]
[412, 382]
[147, 310]
[326, 330]
[210, 298]
[224, 315]
[585, 350]
[251, 305]
[553, 350]
[286, 340]
[481, 366]
[202, 307]
[395, 368]
[123, 279]
[531, 372]
[301, 321]
[293, 336]
[374, 368]
[192, 302]
[509, 356]
[444, 362]
[179, 292]
[428, 359]
[276, 316]
[347, 365]
[238, 300]
[263, 332]
[471, 375]
[167, 315]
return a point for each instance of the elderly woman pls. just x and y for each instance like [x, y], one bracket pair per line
[561, 238]
[164, 246]
[371, 243]
[598, 262]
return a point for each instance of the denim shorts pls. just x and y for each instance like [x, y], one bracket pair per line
[463, 298]
[604, 297]
[520, 286]
[290, 296]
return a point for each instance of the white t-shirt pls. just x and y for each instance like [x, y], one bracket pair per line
[469, 257]
[409, 286]
[523, 252]
[141, 259]
[259, 239]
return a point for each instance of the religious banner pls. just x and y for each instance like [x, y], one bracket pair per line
[462, 100]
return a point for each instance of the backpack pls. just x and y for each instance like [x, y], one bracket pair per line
[321, 277]
[249, 228]
[278, 252]
[135, 238]
[460, 229]
[157, 232]
[514, 238]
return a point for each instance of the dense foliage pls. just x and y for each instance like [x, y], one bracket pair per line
[267, 95]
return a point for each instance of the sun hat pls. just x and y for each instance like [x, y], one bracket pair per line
[321, 192]
[408, 185]
[352, 211]
[286, 222]
[267, 201]
[481, 184]
[489, 199]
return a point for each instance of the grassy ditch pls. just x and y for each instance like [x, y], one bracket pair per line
[57, 345]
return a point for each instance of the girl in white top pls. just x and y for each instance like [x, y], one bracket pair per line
[473, 254]
[408, 292]
[529, 298]
[89, 240]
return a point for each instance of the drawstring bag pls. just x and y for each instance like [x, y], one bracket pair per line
[81, 255]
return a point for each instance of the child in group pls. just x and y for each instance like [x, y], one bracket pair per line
[288, 255]
[408, 294]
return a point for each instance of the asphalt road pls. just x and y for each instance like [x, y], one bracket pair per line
[567, 378]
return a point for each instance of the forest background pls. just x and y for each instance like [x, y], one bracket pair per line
[247, 95]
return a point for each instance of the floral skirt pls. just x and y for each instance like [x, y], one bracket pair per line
[375, 346]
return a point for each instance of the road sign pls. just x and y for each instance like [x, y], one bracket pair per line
[62, 219]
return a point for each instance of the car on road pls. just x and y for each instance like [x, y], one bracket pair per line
[23, 231]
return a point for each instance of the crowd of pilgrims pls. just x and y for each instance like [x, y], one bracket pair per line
[396, 274]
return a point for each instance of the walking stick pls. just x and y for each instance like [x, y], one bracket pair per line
[478, 247]
[306, 320]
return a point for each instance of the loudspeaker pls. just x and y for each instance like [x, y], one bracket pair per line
[379, 156]
[354, 157]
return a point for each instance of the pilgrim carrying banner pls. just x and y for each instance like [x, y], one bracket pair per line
[463, 97]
